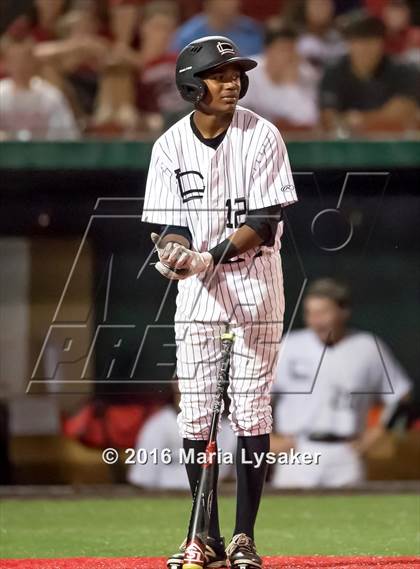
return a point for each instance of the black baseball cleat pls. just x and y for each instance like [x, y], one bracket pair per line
[242, 553]
[176, 560]
[215, 555]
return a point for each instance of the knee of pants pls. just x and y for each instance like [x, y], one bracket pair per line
[194, 420]
[251, 420]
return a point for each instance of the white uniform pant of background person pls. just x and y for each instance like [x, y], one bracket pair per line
[339, 465]
[254, 308]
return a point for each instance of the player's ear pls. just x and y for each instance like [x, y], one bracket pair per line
[345, 313]
[244, 85]
[194, 91]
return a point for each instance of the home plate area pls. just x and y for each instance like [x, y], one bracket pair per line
[313, 562]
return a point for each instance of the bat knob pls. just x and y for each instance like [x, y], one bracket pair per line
[195, 557]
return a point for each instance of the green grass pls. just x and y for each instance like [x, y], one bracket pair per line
[289, 525]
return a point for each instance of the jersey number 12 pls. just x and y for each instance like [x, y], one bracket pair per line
[240, 210]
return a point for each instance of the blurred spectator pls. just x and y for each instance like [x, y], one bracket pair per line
[343, 6]
[223, 18]
[401, 38]
[156, 88]
[368, 91]
[74, 62]
[261, 11]
[124, 20]
[329, 377]
[41, 20]
[161, 432]
[319, 42]
[376, 7]
[151, 70]
[31, 107]
[282, 87]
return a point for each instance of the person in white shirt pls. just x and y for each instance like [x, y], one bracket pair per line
[31, 108]
[283, 87]
[319, 42]
[328, 378]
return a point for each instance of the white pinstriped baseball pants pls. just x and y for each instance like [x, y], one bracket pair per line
[252, 368]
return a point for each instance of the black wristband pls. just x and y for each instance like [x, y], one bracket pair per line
[224, 251]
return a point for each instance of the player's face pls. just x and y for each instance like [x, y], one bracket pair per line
[226, 9]
[20, 61]
[280, 54]
[325, 318]
[366, 53]
[223, 88]
[157, 31]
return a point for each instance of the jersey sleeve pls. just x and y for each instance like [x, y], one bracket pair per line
[272, 180]
[394, 382]
[162, 203]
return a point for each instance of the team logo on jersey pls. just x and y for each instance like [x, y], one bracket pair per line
[223, 47]
[190, 184]
[289, 188]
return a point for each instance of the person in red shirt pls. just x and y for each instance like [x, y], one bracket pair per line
[402, 38]
[148, 90]
[41, 20]
[156, 91]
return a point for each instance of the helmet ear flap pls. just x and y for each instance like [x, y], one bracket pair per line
[244, 85]
[193, 91]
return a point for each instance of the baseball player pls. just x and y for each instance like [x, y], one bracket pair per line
[328, 377]
[217, 183]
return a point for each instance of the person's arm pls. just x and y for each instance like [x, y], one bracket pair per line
[240, 241]
[369, 438]
[272, 187]
[330, 119]
[374, 435]
[281, 442]
[258, 229]
[399, 113]
[394, 388]
[329, 99]
[50, 51]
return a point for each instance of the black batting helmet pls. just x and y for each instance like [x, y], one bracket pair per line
[202, 55]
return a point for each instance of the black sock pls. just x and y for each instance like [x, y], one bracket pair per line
[250, 482]
[193, 472]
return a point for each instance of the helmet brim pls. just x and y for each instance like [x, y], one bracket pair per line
[244, 63]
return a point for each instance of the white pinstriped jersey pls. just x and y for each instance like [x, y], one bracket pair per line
[210, 191]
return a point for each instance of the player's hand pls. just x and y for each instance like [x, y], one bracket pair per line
[181, 263]
[169, 252]
[195, 263]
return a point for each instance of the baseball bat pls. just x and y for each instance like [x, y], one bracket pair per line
[194, 557]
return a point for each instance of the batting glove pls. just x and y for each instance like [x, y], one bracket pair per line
[169, 253]
[176, 262]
